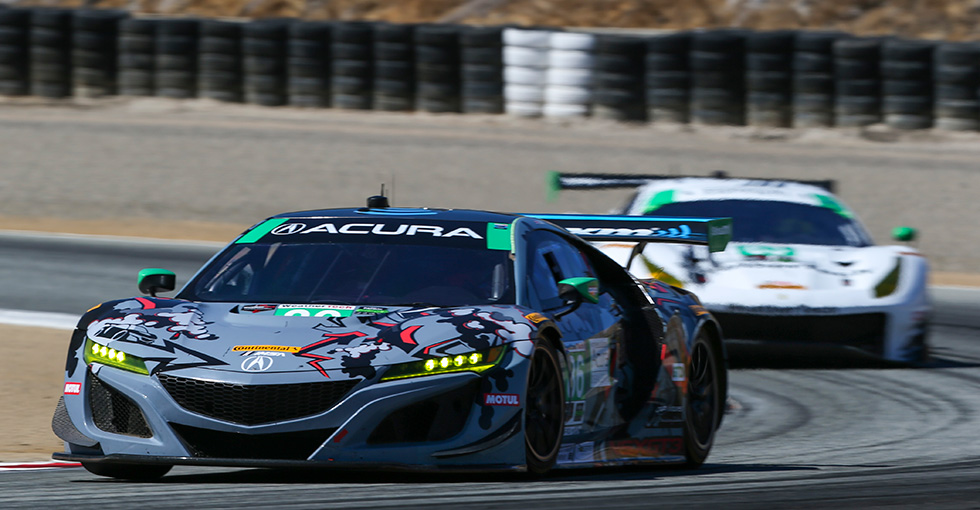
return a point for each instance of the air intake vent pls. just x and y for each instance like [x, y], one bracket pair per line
[114, 412]
[214, 444]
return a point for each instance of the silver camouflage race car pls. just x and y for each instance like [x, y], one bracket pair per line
[400, 338]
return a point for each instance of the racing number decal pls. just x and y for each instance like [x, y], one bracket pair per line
[576, 385]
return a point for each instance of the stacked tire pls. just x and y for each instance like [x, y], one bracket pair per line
[94, 59]
[858, 82]
[482, 69]
[668, 78]
[525, 57]
[620, 90]
[438, 68]
[264, 49]
[717, 61]
[136, 53]
[352, 79]
[569, 81]
[813, 79]
[906, 86]
[956, 75]
[308, 64]
[769, 78]
[394, 67]
[50, 68]
[220, 63]
[15, 35]
[176, 58]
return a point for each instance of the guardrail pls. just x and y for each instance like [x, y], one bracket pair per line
[717, 77]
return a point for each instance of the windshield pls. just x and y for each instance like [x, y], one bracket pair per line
[356, 273]
[767, 221]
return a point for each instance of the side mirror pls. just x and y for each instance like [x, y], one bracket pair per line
[153, 280]
[903, 234]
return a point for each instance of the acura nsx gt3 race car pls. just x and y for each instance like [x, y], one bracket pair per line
[402, 338]
[800, 269]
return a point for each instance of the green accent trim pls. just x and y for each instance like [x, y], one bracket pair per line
[904, 234]
[129, 362]
[587, 287]
[261, 230]
[153, 271]
[719, 234]
[659, 200]
[498, 236]
[834, 205]
[889, 283]
[553, 184]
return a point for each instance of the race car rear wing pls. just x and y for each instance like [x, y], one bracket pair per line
[715, 233]
[560, 180]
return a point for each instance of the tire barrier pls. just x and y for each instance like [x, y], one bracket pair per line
[620, 91]
[94, 60]
[668, 78]
[482, 69]
[906, 83]
[264, 52]
[717, 61]
[50, 49]
[857, 82]
[813, 79]
[438, 68]
[525, 58]
[219, 65]
[956, 72]
[769, 78]
[308, 65]
[136, 53]
[176, 58]
[15, 36]
[394, 67]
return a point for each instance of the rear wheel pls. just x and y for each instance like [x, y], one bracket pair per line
[126, 471]
[704, 400]
[544, 409]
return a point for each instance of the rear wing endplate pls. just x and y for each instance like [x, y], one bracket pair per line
[715, 233]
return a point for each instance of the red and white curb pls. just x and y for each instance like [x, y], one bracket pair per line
[20, 466]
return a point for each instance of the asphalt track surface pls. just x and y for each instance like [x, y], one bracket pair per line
[814, 437]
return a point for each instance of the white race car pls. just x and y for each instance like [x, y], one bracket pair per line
[800, 269]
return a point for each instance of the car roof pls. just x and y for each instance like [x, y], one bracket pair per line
[693, 189]
[407, 213]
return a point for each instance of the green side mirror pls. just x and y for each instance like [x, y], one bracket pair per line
[576, 289]
[904, 234]
[153, 280]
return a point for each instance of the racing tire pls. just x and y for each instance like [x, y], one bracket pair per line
[126, 471]
[704, 406]
[544, 409]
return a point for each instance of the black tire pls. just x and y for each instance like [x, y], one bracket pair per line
[544, 409]
[126, 471]
[704, 405]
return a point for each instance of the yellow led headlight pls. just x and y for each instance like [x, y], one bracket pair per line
[889, 283]
[472, 362]
[98, 353]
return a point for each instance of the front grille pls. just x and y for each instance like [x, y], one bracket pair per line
[865, 331]
[114, 412]
[255, 404]
[214, 444]
[435, 419]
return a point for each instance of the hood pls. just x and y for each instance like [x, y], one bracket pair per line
[337, 341]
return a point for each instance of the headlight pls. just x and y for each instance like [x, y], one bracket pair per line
[472, 362]
[889, 283]
[98, 353]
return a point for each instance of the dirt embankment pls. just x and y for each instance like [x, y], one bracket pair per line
[933, 19]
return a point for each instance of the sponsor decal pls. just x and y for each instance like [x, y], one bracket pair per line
[370, 311]
[257, 308]
[73, 388]
[315, 310]
[501, 399]
[782, 310]
[576, 453]
[781, 285]
[257, 363]
[263, 353]
[720, 230]
[574, 413]
[681, 232]
[535, 317]
[599, 348]
[646, 447]
[678, 374]
[381, 229]
[271, 348]
[762, 252]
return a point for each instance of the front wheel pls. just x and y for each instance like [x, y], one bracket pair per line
[544, 409]
[703, 410]
[126, 471]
